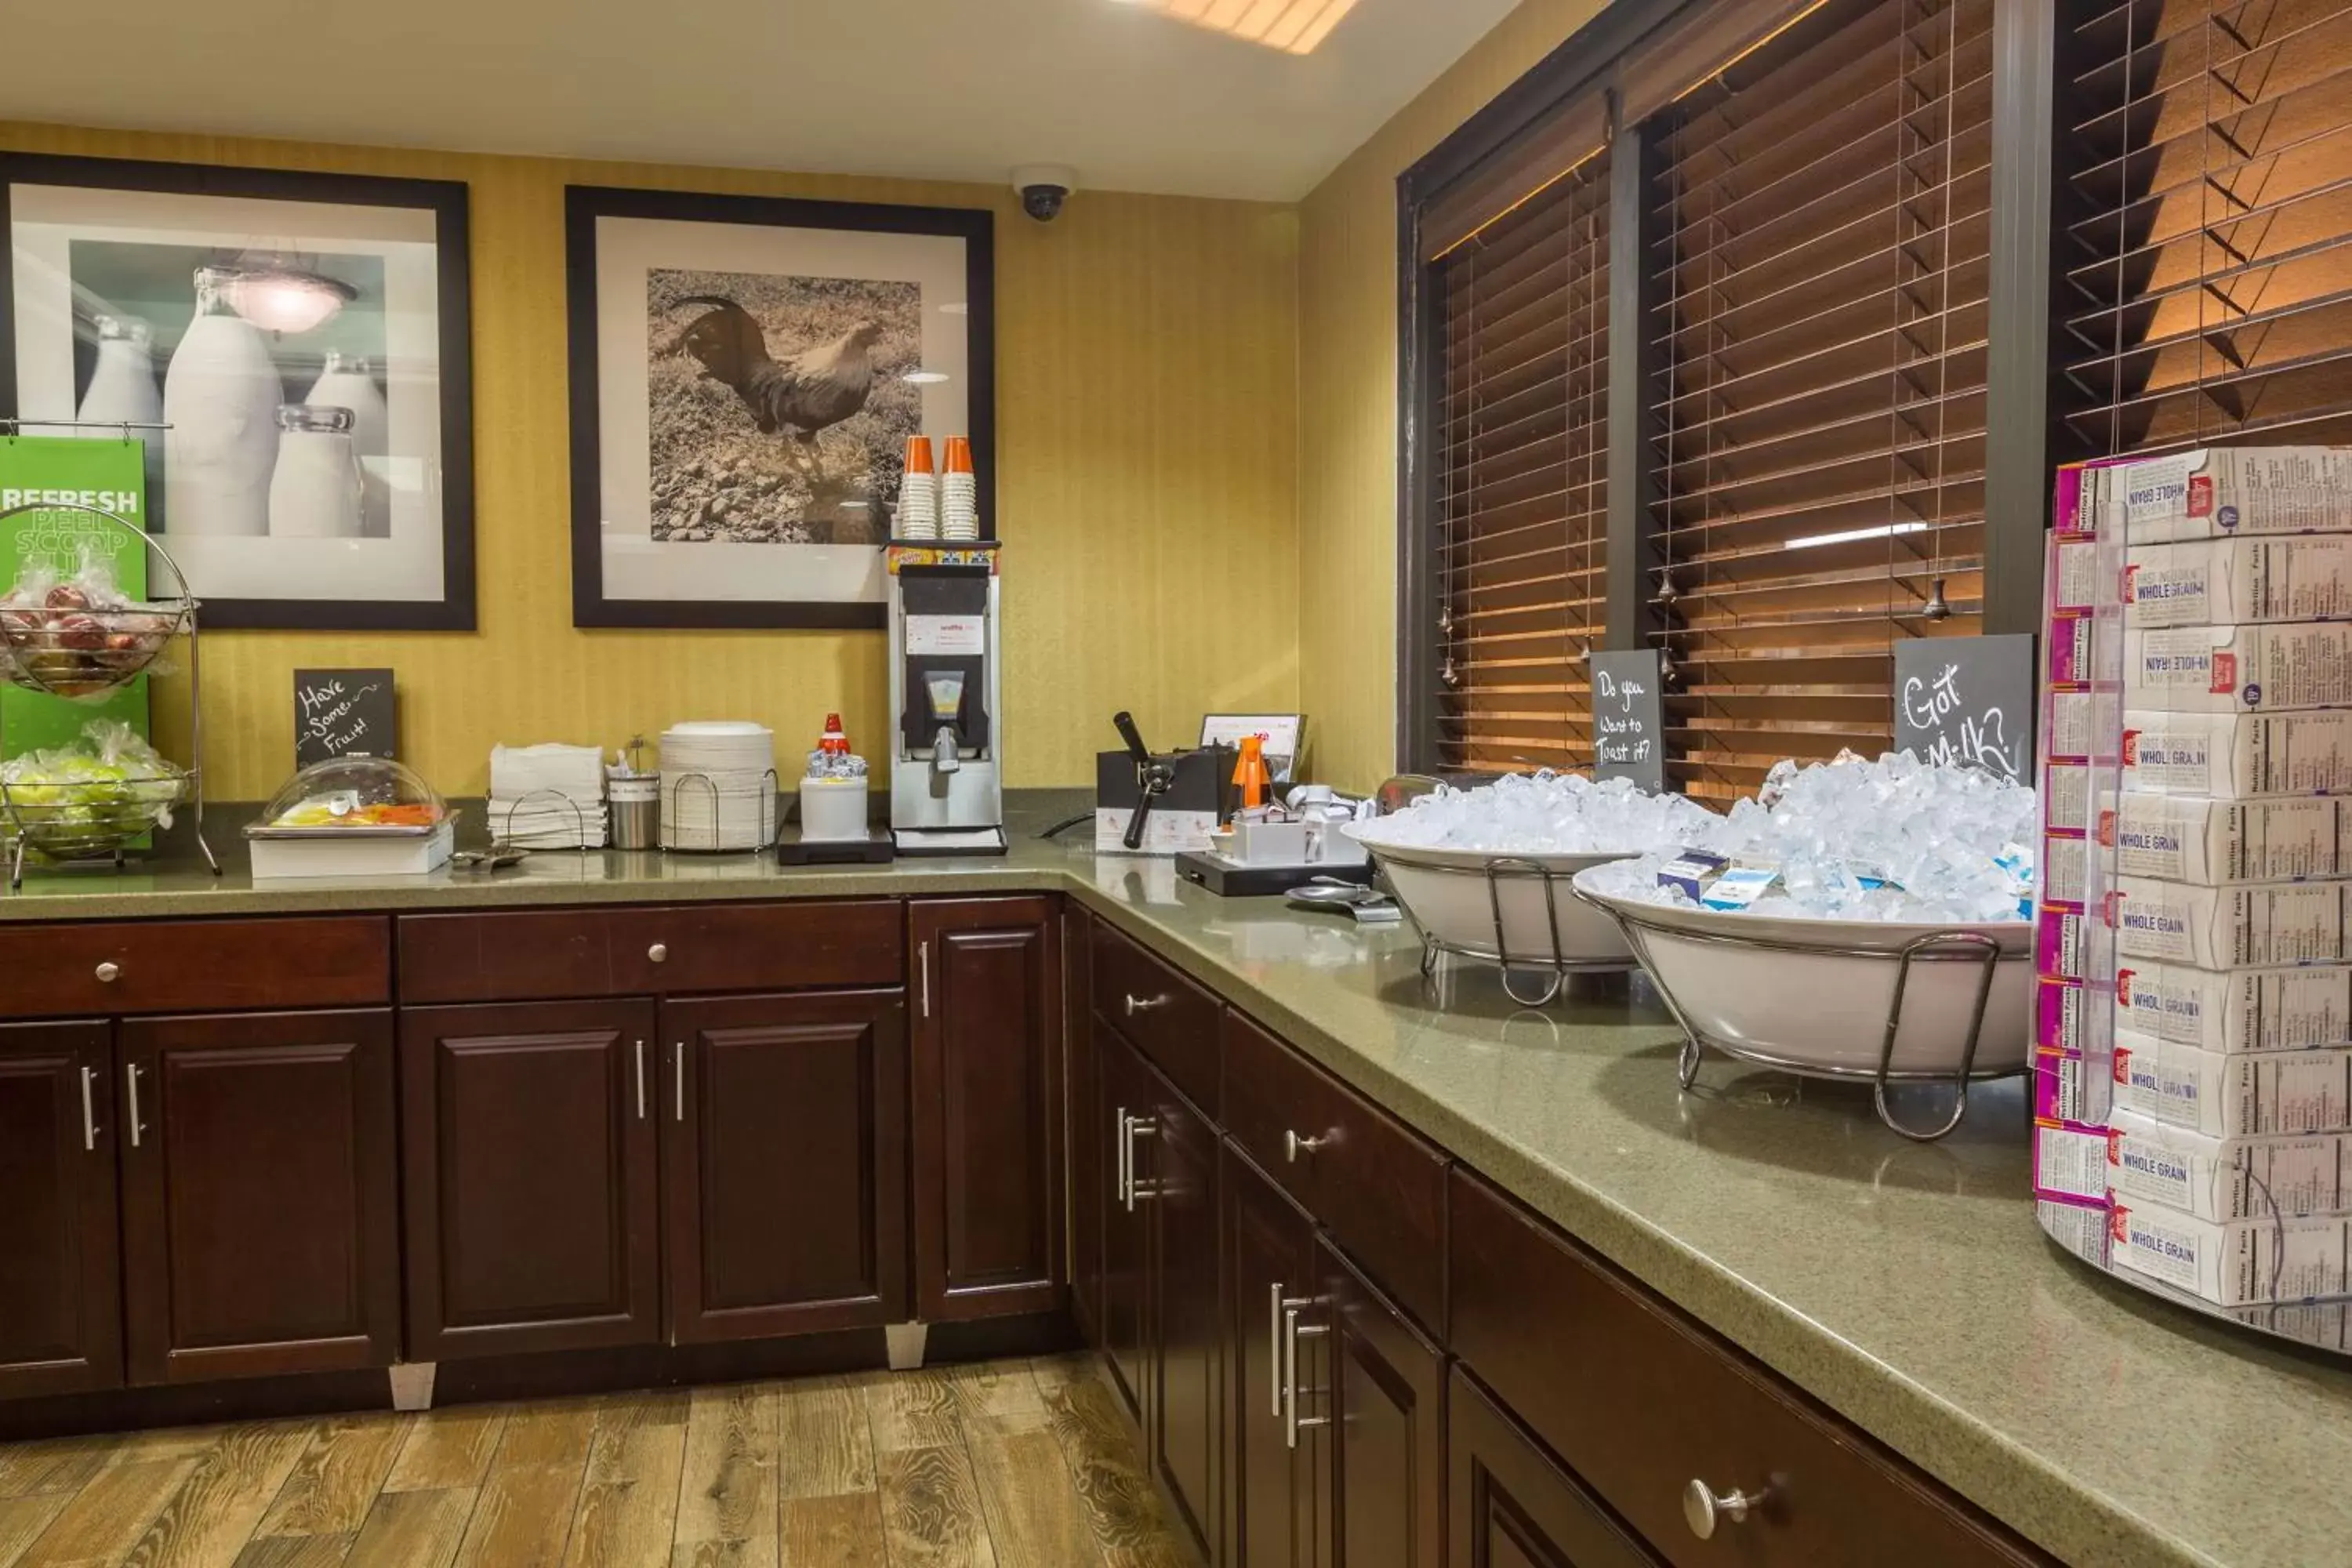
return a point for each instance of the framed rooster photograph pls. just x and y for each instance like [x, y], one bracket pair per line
[745, 374]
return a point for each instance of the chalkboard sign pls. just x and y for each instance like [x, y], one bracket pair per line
[1967, 700]
[1628, 720]
[340, 711]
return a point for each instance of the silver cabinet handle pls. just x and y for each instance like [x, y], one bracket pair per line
[680, 1096]
[1293, 1331]
[130, 1081]
[1293, 1145]
[1274, 1343]
[1146, 1003]
[109, 971]
[641, 1081]
[88, 1113]
[658, 952]
[1704, 1509]
[1122, 1159]
[1136, 1127]
[923, 967]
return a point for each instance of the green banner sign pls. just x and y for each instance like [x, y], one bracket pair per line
[58, 474]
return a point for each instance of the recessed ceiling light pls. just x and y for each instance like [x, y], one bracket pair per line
[1295, 25]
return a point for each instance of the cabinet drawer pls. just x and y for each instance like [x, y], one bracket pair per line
[527, 955]
[1375, 1184]
[1170, 1020]
[195, 966]
[1639, 1402]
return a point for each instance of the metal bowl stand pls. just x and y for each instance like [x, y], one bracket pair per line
[1936, 947]
[1497, 870]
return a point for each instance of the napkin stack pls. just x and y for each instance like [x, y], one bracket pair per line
[548, 797]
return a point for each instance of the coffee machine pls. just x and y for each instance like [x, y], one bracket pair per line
[947, 779]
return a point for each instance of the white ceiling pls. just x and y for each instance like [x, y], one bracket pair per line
[937, 89]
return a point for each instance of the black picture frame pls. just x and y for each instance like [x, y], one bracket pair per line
[448, 201]
[582, 205]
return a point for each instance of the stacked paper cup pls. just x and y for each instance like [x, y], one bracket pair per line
[919, 493]
[959, 493]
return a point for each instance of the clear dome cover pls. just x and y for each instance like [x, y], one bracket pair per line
[353, 793]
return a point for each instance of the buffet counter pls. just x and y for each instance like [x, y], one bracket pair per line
[1904, 1286]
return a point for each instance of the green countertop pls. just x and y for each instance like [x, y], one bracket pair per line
[1905, 1286]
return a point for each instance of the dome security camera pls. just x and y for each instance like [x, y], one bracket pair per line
[1043, 187]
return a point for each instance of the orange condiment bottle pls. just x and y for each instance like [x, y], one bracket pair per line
[1249, 773]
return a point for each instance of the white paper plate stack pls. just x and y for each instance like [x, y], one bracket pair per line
[717, 785]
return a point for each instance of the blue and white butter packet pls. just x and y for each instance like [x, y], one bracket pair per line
[1691, 870]
[1738, 887]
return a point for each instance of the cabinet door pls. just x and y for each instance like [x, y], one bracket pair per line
[1178, 1163]
[259, 1215]
[783, 1163]
[1090, 1178]
[1511, 1507]
[1386, 1396]
[1125, 1105]
[60, 1306]
[988, 1107]
[1269, 1270]
[532, 1195]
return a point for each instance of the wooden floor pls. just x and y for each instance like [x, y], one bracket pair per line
[1012, 1464]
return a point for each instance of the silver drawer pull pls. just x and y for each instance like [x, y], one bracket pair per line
[108, 972]
[89, 1112]
[1293, 1145]
[1133, 1128]
[130, 1079]
[658, 952]
[641, 1081]
[1146, 1003]
[1293, 1331]
[1703, 1509]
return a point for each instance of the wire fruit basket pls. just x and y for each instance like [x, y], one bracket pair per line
[79, 651]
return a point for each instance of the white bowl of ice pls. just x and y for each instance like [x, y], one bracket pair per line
[1875, 859]
[1487, 872]
[1812, 994]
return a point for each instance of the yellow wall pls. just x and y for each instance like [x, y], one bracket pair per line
[1347, 393]
[1147, 460]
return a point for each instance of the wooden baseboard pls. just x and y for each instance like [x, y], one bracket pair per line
[544, 1376]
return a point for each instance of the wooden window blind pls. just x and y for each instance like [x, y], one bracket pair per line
[1519, 521]
[1819, 252]
[2206, 234]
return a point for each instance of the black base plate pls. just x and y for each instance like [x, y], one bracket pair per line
[1249, 881]
[875, 850]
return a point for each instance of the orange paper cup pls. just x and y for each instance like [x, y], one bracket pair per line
[919, 454]
[959, 455]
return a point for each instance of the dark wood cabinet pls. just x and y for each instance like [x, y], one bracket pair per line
[533, 1193]
[1276, 1506]
[1125, 1124]
[1089, 1180]
[1177, 1167]
[259, 1208]
[60, 1306]
[1512, 1506]
[784, 1161]
[1384, 1391]
[988, 1209]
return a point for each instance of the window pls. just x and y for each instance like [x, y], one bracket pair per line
[1820, 252]
[1519, 424]
[2205, 289]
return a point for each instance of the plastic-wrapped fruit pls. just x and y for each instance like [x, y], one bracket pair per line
[78, 629]
[125, 650]
[67, 596]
